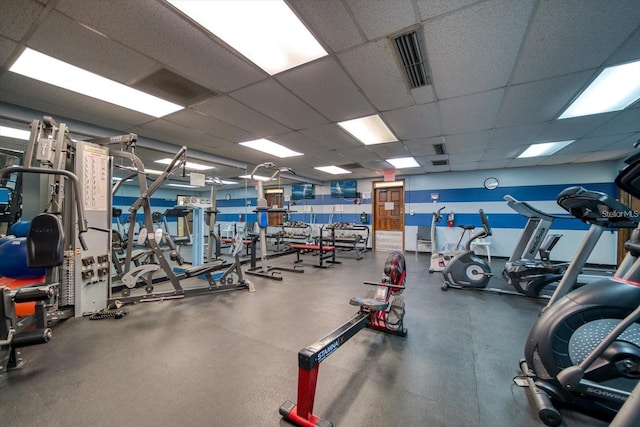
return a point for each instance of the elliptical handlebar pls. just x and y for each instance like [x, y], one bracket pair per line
[484, 232]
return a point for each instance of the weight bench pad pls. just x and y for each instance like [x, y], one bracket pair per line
[45, 242]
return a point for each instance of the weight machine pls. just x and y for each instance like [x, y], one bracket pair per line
[262, 210]
[144, 273]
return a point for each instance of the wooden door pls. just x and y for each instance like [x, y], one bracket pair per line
[388, 218]
[389, 212]
[275, 200]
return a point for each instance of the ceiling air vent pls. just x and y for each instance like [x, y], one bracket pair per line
[440, 162]
[412, 58]
[439, 149]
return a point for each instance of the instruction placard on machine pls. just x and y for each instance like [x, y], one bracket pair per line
[95, 178]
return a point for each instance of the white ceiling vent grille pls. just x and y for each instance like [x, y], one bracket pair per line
[412, 58]
[440, 149]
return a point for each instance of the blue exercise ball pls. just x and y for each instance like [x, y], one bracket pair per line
[13, 260]
[20, 228]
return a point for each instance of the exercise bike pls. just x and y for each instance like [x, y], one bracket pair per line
[584, 351]
[440, 259]
[467, 270]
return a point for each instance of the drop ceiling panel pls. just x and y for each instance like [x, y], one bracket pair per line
[558, 44]
[372, 63]
[195, 120]
[114, 61]
[586, 145]
[227, 109]
[561, 158]
[629, 51]
[178, 135]
[379, 18]
[17, 19]
[422, 146]
[299, 142]
[515, 135]
[390, 150]
[622, 122]
[470, 155]
[273, 100]
[474, 50]
[6, 49]
[603, 156]
[168, 38]
[58, 102]
[493, 164]
[540, 101]
[470, 113]
[331, 21]
[327, 88]
[562, 130]
[431, 8]
[358, 154]
[330, 136]
[503, 153]
[414, 122]
[463, 142]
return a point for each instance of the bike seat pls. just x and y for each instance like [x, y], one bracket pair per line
[467, 226]
[370, 303]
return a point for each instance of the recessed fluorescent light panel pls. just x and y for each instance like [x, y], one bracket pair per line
[403, 162]
[333, 170]
[369, 130]
[188, 165]
[267, 32]
[14, 133]
[182, 185]
[614, 89]
[256, 177]
[270, 147]
[50, 70]
[544, 149]
[219, 181]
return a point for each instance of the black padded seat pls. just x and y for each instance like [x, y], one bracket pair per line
[45, 242]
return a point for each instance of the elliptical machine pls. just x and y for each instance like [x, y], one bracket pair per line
[584, 350]
[467, 270]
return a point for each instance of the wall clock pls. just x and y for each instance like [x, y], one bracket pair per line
[491, 183]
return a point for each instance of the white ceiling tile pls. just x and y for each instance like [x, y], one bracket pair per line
[380, 18]
[574, 128]
[621, 122]
[86, 49]
[6, 49]
[516, 135]
[539, 101]
[474, 49]
[374, 62]
[327, 88]
[273, 100]
[390, 150]
[16, 19]
[493, 164]
[422, 146]
[470, 113]
[331, 21]
[431, 8]
[603, 156]
[585, 145]
[330, 136]
[415, 122]
[558, 44]
[462, 142]
[562, 158]
[233, 112]
[154, 28]
[195, 120]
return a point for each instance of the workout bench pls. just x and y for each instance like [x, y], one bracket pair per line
[324, 253]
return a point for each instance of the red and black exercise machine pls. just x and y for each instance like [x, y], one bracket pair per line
[382, 310]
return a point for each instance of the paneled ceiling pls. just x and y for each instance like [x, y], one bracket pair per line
[501, 73]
